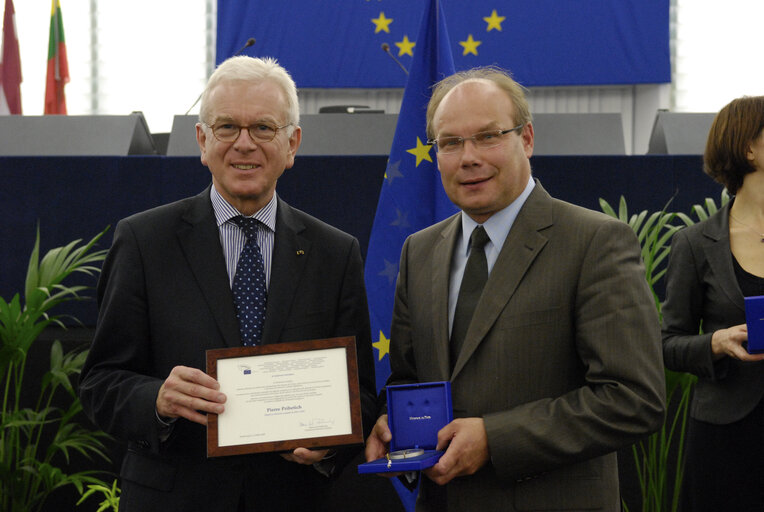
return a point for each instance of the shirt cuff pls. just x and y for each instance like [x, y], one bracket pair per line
[165, 426]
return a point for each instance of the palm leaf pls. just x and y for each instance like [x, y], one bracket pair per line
[27, 466]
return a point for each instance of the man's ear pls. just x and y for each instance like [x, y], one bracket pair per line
[201, 139]
[527, 136]
[294, 144]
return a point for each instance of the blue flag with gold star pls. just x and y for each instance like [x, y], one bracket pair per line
[412, 195]
[544, 42]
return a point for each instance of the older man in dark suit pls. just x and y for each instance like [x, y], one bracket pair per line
[166, 297]
[536, 310]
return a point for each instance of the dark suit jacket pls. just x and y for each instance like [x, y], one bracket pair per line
[562, 359]
[701, 289]
[165, 299]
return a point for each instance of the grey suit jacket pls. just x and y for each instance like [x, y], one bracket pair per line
[701, 289]
[165, 299]
[562, 359]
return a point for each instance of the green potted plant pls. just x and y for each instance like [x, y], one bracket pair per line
[110, 496]
[37, 443]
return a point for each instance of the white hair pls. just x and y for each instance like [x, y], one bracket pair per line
[249, 69]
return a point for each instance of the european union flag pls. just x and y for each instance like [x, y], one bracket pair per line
[412, 195]
[544, 42]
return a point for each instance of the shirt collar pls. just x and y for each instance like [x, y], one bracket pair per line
[498, 225]
[224, 211]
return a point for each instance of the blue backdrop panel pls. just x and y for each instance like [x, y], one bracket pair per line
[545, 42]
[77, 197]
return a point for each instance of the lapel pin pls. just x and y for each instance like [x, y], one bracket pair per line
[300, 252]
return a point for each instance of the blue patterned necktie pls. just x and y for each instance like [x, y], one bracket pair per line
[249, 292]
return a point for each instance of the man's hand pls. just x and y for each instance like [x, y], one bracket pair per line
[378, 443]
[379, 439]
[305, 456]
[187, 393]
[466, 445]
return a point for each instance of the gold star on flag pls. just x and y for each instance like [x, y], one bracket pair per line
[494, 21]
[421, 151]
[383, 345]
[382, 23]
[470, 45]
[405, 47]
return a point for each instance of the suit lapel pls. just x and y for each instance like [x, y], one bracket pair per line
[441, 273]
[199, 239]
[290, 254]
[719, 255]
[522, 246]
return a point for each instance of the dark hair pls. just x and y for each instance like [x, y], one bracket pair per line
[729, 139]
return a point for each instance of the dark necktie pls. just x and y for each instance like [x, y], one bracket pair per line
[249, 291]
[475, 276]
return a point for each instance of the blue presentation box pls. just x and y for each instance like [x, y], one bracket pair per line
[415, 414]
[754, 319]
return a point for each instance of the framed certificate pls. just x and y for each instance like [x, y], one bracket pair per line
[285, 395]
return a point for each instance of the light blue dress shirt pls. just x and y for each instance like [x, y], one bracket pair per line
[497, 227]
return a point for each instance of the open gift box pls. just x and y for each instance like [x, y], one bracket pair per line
[415, 414]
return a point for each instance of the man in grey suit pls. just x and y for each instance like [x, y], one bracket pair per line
[166, 297]
[560, 364]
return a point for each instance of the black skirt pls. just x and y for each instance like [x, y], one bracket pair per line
[725, 465]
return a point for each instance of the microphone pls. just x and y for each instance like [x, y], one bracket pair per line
[250, 42]
[386, 49]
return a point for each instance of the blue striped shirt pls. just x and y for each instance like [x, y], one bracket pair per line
[232, 238]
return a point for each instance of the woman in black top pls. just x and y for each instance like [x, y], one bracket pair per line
[713, 266]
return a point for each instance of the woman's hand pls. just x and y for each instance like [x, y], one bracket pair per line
[729, 342]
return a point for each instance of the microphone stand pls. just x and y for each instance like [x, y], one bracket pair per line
[386, 48]
[250, 42]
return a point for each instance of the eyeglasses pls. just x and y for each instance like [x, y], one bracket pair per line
[259, 132]
[482, 140]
